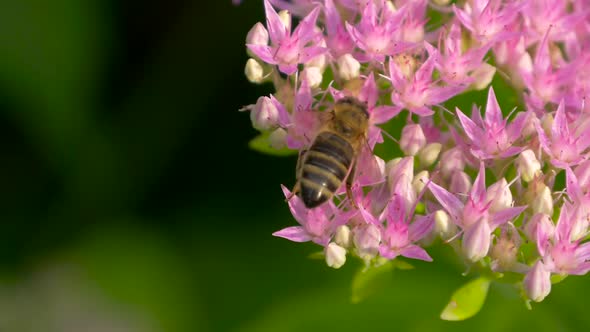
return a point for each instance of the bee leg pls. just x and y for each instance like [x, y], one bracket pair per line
[294, 192]
[349, 179]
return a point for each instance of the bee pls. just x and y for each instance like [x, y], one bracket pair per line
[330, 160]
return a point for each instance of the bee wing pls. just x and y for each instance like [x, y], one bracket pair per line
[369, 169]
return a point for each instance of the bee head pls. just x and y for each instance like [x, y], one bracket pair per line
[351, 118]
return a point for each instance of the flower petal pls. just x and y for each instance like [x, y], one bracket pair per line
[276, 29]
[448, 201]
[493, 117]
[263, 52]
[471, 129]
[294, 233]
[382, 114]
[505, 215]
[415, 252]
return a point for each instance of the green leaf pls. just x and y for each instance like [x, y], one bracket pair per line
[401, 265]
[557, 278]
[261, 144]
[367, 281]
[467, 300]
[317, 255]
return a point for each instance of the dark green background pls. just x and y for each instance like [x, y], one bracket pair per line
[129, 198]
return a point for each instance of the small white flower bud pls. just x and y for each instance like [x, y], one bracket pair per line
[500, 196]
[278, 139]
[460, 183]
[452, 160]
[265, 114]
[482, 76]
[285, 18]
[420, 181]
[407, 64]
[527, 165]
[335, 255]
[547, 122]
[313, 76]
[257, 35]
[429, 154]
[443, 225]
[391, 164]
[476, 240]
[537, 282]
[254, 71]
[542, 202]
[343, 236]
[412, 140]
[348, 67]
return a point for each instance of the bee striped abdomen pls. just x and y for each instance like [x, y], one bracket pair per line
[325, 167]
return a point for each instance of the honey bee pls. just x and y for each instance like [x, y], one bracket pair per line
[330, 160]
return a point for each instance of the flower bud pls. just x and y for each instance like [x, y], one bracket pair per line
[400, 180]
[278, 139]
[407, 65]
[366, 239]
[476, 240]
[460, 183]
[254, 71]
[452, 160]
[541, 202]
[443, 225]
[313, 76]
[537, 282]
[265, 114]
[547, 122]
[348, 67]
[343, 236]
[285, 18]
[335, 255]
[527, 165]
[504, 252]
[412, 140]
[499, 195]
[482, 76]
[429, 154]
[257, 35]
[579, 222]
[542, 221]
[420, 181]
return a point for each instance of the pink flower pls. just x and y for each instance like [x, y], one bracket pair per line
[541, 15]
[559, 252]
[338, 39]
[492, 137]
[377, 33]
[304, 121]
[418, 92]
[487, 19]
[473, 213]
[457, 67]
[564, 147]
[317, 225]
[288, 50]
[399, 236]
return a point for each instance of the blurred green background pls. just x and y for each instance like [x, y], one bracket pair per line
[129, 200]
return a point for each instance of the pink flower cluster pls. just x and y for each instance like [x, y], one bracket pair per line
[390, 55]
